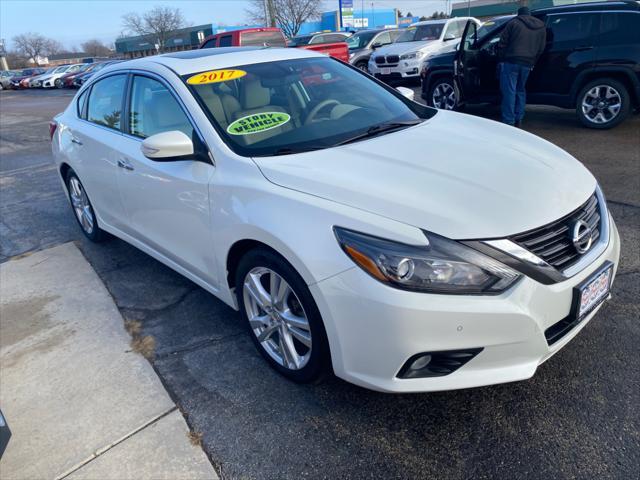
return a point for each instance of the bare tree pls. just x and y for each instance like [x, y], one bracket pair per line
[289, 15]
[95, 48]
[35, 47]
[158, 24]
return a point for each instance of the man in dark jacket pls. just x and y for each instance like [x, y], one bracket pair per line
[521, 44]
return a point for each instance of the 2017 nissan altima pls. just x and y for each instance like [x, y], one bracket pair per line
[404, 248]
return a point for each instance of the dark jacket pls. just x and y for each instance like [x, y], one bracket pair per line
[522, 41]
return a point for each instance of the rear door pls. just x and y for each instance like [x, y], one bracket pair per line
[570, 51]
[93, 144]
[167, 202]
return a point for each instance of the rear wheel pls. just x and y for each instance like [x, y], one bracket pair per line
[283, 319]
[603, 103]
[82, 209]
[442, 94]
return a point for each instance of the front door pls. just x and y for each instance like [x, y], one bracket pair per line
[167, 202]
[467, 67]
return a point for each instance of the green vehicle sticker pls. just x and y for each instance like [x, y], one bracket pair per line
[258, 122]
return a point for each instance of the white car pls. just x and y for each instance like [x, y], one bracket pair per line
[402, 59]
[273, 179]
[54, 78]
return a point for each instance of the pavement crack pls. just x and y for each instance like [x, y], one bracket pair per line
[106, 448]
[198, 345]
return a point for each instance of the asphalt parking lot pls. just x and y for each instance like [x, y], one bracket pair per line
[577, 418]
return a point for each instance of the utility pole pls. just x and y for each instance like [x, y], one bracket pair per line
[270, 14]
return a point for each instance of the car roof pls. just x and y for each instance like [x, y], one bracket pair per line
[586, 6]
[200, 60]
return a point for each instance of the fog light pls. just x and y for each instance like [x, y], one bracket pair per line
[436, 364]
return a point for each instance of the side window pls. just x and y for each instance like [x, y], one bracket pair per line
[105, 101]
[225, 41]
[384, 38]
[317, 39]
[394, 35]
[155, 110]
[82, 101]
[452, 31]
[619, 28]
[334, 38]
[571, 28]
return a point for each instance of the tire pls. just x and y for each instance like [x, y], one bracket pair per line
[82, 209]
[310, 362]
[442, 94]
[603, 103]
[58, 83]
[363, 65]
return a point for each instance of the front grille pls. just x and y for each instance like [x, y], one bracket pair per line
[380, 60]
[393, 59]
[553, 242]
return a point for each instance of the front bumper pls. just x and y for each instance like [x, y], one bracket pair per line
[403, 70]
[49, 83]
[374, 329]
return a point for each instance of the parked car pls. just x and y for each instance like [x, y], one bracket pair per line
[80, 79]
[54, 79]
[401, 60]
[36, 81]
[5, 78]
[67, 79]
[591, 62]
[436, 73]
[272, 178]
[247, 37]
[318, 38]
[363, 43]
[24, 74]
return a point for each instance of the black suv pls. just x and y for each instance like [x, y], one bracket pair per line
[591, 63]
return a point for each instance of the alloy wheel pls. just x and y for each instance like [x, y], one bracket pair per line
[81, 205]
[277, 318]
[444, 96]
[601, 104]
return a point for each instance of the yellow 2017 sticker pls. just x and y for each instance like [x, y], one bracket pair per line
[215, 76]
[258, 122]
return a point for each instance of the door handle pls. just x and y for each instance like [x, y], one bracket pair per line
[122, 163]
[76, 141]
[583, 48]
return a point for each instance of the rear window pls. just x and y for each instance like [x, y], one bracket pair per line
[259, 39]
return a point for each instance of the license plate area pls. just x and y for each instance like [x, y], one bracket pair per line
[386, 71]
[586, 298]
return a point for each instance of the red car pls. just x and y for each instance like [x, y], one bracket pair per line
[247, 37]
[25, 75]
[67, 80]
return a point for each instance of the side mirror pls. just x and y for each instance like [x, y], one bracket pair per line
[376, 45]
[406, 92]
[167, 146]
[448, 37]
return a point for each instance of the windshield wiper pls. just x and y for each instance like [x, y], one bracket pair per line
[289, 150]
[378, 129]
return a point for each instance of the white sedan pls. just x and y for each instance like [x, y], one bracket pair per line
[401, 247]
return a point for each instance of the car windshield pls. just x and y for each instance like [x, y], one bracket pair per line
[360, 40]
[292, 106]
[490, 25]
[421, 33]
[301, 40]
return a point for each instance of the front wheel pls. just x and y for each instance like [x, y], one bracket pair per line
[603, 104]
[283, 319]
[363, 65]
[442, 94]
[58, 83]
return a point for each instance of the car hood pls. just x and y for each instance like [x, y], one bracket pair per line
[402, 48]
[456, 175]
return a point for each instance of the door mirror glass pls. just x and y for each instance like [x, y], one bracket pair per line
[406, 92]
[168, 146]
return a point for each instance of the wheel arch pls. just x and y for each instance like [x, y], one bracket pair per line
[622, 75]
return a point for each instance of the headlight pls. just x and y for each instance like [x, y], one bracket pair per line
[412, 55]
[443, 266]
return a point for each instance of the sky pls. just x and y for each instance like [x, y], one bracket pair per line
[74, 21]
